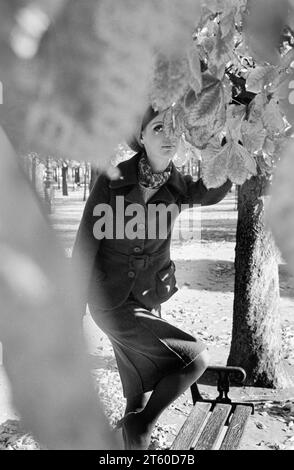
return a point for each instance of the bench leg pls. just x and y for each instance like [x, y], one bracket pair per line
[196, 395]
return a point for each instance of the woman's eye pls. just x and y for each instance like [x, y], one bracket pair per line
[157, 129]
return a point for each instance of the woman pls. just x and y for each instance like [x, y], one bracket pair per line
[128, 275]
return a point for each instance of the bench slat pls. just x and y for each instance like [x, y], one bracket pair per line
[213, 427]
[191, 426]
[236, 428]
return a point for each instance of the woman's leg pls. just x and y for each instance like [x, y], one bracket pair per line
[138, 426]
[137, 402]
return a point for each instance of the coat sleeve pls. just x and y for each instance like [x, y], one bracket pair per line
[197, 192]
[86, 246]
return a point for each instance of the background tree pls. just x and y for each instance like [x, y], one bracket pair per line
[64, 171]
[48, 186]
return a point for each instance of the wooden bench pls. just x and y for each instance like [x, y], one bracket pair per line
[215, 424]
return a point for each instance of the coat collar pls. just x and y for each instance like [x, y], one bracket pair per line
[129, 176]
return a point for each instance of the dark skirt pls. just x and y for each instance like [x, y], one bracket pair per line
[146, 347]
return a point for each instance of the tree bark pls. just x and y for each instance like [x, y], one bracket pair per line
[58, 176]
[64, 180]
[77, 175]
[85, 182]
[256, 336]
[48, 187]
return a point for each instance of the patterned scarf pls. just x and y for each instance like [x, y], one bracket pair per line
[148, 178]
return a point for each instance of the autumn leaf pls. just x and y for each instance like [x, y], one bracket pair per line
[199, 136]
[248, 160]
[287, 59]
[219, 54]
[241, 164]
[228, 89]
[253, 136]
[214, 166]
[272, 118]
[220, 119]
[195, 68]
[181, 155]
[234, 118]
[173, 122]
[227, 25]
[237, 171]
[269, 146]
[207, 44]
[259, 77]
[236, 111]
[201, 125]
[257, 107]
[171, 80]
[231, 161]
[200, 108]
[209, 80]
[233, 129]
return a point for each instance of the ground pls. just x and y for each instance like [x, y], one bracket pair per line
[202, 306]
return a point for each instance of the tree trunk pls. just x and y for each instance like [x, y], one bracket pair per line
[58, 177]
[48, 187]
[256, 337]
[77, 175]
[64, 180]
[85, 182]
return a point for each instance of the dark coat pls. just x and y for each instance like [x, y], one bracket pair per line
[112, 268]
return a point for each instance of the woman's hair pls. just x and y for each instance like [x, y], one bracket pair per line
[135, 140]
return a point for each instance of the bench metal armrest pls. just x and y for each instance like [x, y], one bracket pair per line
[223, 385]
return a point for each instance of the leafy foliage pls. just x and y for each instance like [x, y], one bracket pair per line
[241, 93]
[171, 80]
[220, 68]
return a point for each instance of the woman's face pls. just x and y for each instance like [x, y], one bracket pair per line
[159, 148]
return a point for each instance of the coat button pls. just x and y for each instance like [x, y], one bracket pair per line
[137, 249]
[131, 274]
